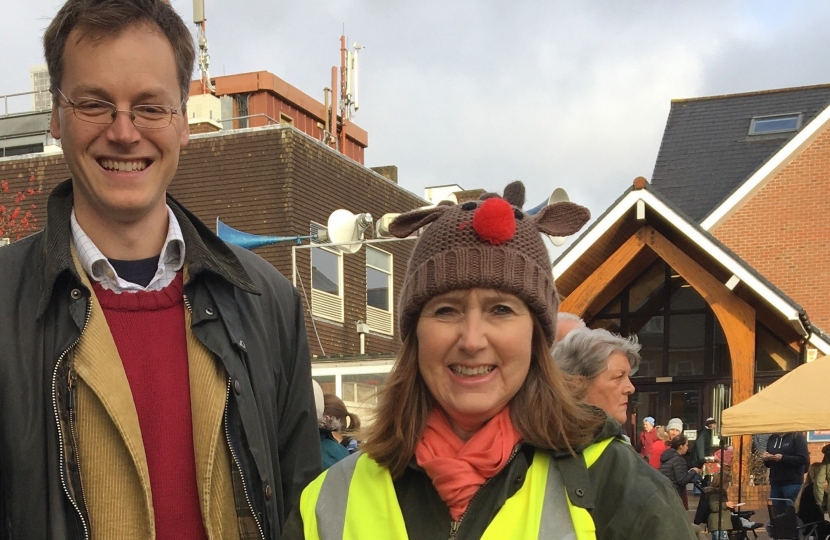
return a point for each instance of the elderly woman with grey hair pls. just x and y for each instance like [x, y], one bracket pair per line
[604, 362]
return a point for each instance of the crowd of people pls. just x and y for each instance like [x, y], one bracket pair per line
[157, 383]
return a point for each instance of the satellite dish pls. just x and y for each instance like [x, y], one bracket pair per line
[345, 228]
[558, 195]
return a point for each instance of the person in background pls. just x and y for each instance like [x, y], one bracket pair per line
[719, 521]
[602, 363]
[806, 506]
[674, 467]
[659, 447]
[647, 437]
[820, 486]
[674, 428]
[726, 457]
[787, 458]
[336, 421]
[703, 444]
[155, 382]
[477, 431]
[565, 322]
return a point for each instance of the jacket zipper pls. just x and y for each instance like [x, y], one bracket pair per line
[230, 446]
[455, 525]
[238, 464]
[70, 397]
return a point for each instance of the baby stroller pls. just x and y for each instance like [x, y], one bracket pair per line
[784, 524]
[741, 524]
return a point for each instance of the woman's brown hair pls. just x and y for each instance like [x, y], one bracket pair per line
[545, 410]
[333, 407]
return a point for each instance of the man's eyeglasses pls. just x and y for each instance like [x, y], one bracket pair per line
[98, 111]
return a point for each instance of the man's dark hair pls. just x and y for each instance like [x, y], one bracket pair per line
[678, 441]
[98, 19]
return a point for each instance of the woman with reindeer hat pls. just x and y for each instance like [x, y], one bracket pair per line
[477, 432]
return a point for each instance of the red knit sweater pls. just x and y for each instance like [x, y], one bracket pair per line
[149, 332]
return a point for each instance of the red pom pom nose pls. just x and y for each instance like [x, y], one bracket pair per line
[494, 221]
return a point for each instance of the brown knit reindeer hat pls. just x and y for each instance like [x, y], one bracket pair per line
[490, 244]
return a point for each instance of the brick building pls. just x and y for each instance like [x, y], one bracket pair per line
[261, 98]
[277, 181]
[753, 170]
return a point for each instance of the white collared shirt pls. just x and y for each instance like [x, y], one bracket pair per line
[97, 266]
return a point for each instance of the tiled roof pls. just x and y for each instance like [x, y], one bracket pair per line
[706, 152]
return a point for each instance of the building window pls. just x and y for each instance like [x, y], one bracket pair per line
[677, 330]
[379, 311]
[782, 123]
[362, 390]
[21, 150]
[285, 119]
[327, 284]
[772, 354]
[325, 271]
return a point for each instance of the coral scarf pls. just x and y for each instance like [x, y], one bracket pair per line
[458, 468]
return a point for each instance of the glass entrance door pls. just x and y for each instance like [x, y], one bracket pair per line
[664, 402]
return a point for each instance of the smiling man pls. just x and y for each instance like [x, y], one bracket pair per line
[154, 381]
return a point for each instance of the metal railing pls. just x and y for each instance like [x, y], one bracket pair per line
[20, 94]
[247, 116]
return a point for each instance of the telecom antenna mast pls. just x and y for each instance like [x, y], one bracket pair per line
[204, 57]
[348, 102]
[352, 103]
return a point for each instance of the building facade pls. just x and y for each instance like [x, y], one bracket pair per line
[277, 181]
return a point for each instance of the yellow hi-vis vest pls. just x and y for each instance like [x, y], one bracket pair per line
[356, 500]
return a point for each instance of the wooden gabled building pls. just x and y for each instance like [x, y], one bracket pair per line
[713, 330]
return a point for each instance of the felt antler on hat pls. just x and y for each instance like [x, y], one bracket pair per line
[491, 244]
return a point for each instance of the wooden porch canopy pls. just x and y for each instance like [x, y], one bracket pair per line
[642, 226]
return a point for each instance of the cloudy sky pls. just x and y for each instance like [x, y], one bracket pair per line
[571, 94]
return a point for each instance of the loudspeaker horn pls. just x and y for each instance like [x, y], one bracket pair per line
[347, 228]
[382, 226]
[251, 241]
[558, 195]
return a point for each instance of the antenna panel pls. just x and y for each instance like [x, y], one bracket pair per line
[356, 80]
[198, 11]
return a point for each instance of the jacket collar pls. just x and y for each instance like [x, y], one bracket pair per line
[205, 251]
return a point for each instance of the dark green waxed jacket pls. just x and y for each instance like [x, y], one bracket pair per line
[244, 311]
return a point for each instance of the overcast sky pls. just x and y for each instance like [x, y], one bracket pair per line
[571, 94]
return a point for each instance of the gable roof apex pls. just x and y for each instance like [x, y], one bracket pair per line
[651, 198]
[753, 93]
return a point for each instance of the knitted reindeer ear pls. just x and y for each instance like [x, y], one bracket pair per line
[406, 224]
[514, 193]
[562, 218]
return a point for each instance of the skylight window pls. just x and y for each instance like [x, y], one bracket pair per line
[782, 123]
